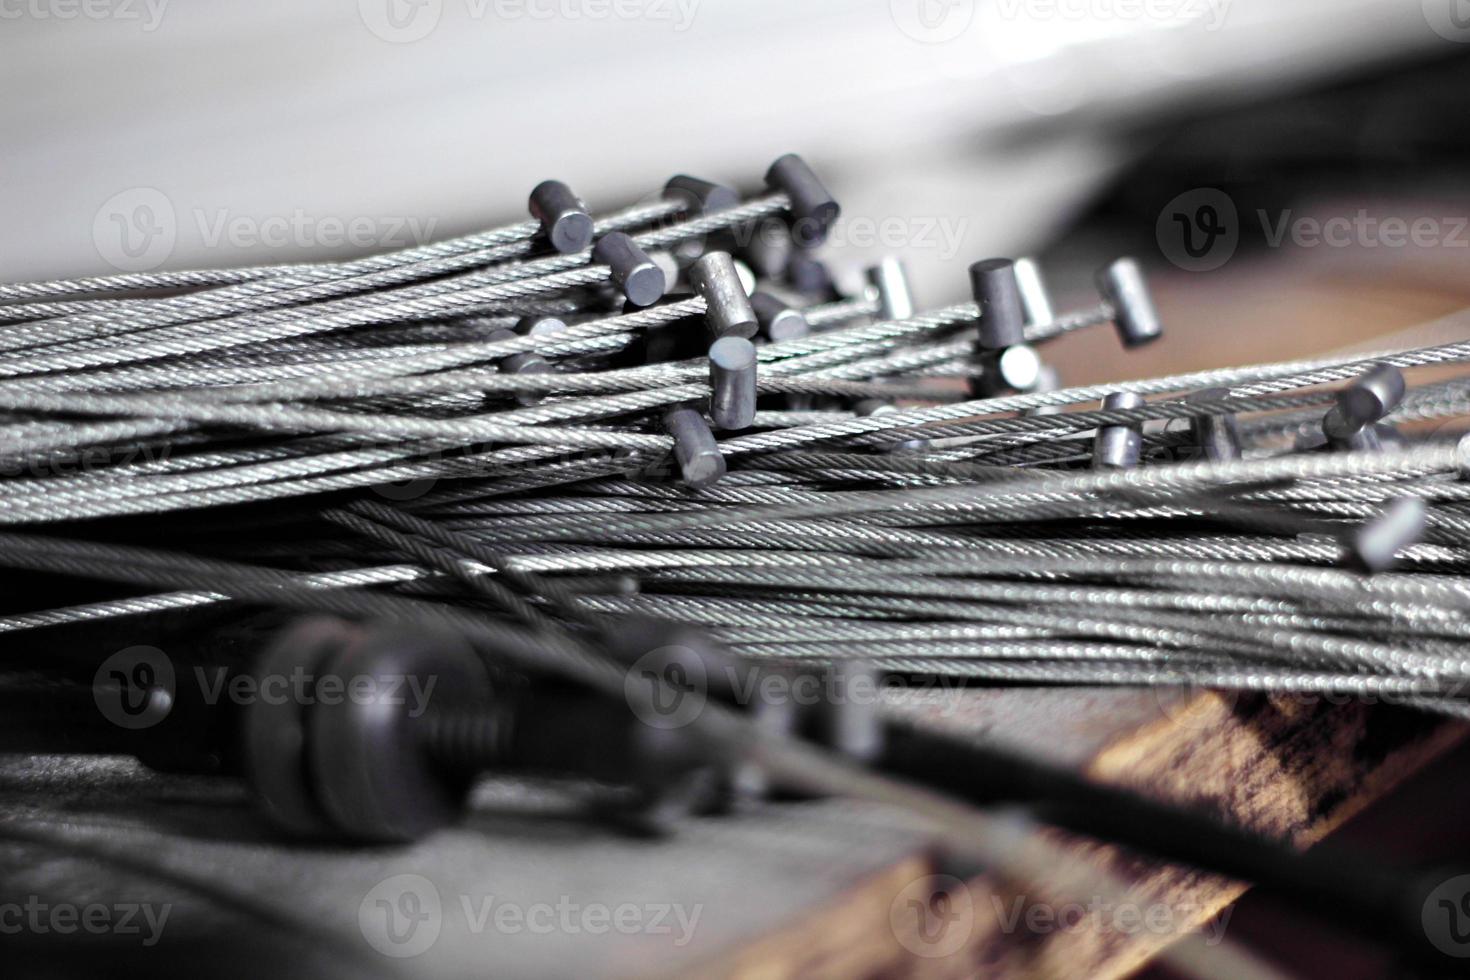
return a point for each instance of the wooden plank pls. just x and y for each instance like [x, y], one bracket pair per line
[1292, 767]
[793, 890]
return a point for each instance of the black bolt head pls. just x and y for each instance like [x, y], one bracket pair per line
[374, 777]
[274, 728]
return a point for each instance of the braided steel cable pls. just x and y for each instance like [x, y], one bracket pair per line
[292, 285]
[843, 499]
[462, 294]
[273, 386]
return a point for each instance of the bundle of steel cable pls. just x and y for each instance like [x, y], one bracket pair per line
[899, 487]
[544, 435]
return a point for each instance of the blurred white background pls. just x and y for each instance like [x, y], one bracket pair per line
[167, 133]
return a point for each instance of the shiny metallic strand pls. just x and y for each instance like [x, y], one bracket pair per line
[949, 534]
